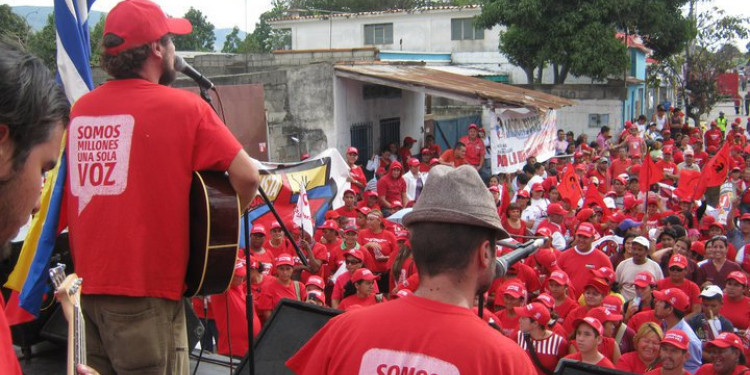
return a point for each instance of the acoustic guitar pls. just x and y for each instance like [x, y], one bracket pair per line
[69, 294]
[214, 234]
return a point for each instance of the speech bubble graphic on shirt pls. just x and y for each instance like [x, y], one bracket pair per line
[99, 156]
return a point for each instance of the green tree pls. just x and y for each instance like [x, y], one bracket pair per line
[233, 43]
[260, 40]
[95, 38]
[13, 25]
[201, 39]
[578, 37]
[43, 44]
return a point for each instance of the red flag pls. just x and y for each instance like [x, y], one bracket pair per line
[650, 173]
[687, 183]
[505, 199]
[594, 198]
[716, 170]
[570, 187]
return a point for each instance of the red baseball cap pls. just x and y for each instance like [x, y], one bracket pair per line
[547, 259]
[604, 315]
[320, 296]
[593, 322]
[275, 225]
[398, 204]
[413, 162]
[556, 209]
[329, 224]
[559, 277]
[402, 293]
[727, 340]
[363, 274]
[349, 191]
[356, 253]
[546, 299]
[332, 215]
[434, 161]
[351, 228]
[629, 201]
[676, 338]
[738, 276]
[535, 311]
[699, 247]
[605, 273]
[258, 229]
[365, 210]
[675, 297]
[586, 229]
[284, 260]
[612, 303]
[599, 284]
[494, 189]
[139, 22]
[745, 216]
[523, 194]
[409, 140]
[473, 126]
[584, 214]
[426, 151]
[352, 150]
[515, 290]
[678, 260]
[316, 281]
[644, 279]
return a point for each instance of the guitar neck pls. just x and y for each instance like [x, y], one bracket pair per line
[76, 340]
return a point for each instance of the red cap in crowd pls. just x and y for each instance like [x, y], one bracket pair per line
[494, 189]
[629, 202]
[316, 281]
[559, 277]
[140, 22]
[546, 299]
[352, 150]
[350, 191]
[363, 274]
[365, 210]
[699, 247]
[434, 161]
[556, 209]
[515, 290]
[320, 296]
[284, 260]
[728, 340]
[546, 258]
[275, 225]
[599, 284]
[675, 297]
[534, 311]
[413, 162]
[473, 126]
[644, 279]
[604, 315]
[738, 276]
[584, 214]
[593, 322]
[402, 293]
[351, 228]
[605, 273]
[586, 230]
[676, 338]
[329, 224]
[537, 187]
[258, 229]
[332, 215]
[356, 253]
[678, 260]
[523, 194]
[409, 140]
[425, 151]
[612, 303]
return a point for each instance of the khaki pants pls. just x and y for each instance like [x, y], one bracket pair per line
[135, 335]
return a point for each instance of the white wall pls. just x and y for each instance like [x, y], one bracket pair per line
[351, 108]
[576, 118]
[420, 31]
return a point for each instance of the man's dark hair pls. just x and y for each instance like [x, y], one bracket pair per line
[522, 179]
[444, 247]
[459, 145]
[528, 169]
[31, 104]
[605, 129]
[537, 166]
[668, 232]
[128, 63]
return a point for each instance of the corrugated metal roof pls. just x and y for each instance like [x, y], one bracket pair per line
[377, 13]
[453, 85]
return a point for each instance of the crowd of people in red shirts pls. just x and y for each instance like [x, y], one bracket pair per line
[642, 281]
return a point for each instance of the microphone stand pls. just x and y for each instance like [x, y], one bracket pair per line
[249, 360]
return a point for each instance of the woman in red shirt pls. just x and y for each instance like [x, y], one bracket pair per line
[736, 306]
[380, 243]
[511, 295]
[557, 284]
[513, 224]
[360, 291]
[588, 336]
[646, 353]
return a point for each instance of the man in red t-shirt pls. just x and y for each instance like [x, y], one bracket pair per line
[454, 157]
[729, 357]
[714, 136]
[621, 164]
[668, 167]
[454, 227]
[134, 143]
[33, 113]
[391, 187]
[581, 257]
[474, 147]
[356, 175]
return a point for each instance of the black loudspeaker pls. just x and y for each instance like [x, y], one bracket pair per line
[570, 367]
[290, 326]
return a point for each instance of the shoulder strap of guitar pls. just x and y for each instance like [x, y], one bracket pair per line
[297, 290]
[533, 355]
[379, 297]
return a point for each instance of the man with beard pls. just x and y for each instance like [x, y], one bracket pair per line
[454, 226]
[133, 145]
[33, 116]
[672, 354]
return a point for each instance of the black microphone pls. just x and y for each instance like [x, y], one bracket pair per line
[181, 66]
[506, 261]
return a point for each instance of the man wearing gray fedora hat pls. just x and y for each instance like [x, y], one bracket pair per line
[454, 226]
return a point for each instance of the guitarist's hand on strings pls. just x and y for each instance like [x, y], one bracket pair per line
[85, 370]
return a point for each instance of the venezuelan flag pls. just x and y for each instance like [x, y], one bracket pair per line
[28, 279]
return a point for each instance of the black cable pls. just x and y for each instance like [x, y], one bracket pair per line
[205, 322]
[229, 337]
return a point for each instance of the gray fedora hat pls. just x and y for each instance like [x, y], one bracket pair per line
[456, 195]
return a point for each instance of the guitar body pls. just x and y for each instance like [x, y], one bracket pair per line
[214, 234]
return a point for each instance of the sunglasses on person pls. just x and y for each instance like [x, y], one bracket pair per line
[675, 269]
[353, 261]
